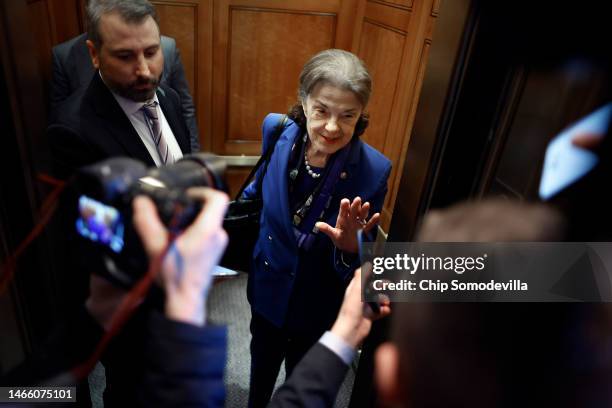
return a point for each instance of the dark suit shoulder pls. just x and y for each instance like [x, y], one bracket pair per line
[72, 69]
[65, 47]
[168, 43]
[69, 148]
[168, 46]
[170, 93]
[169, 98]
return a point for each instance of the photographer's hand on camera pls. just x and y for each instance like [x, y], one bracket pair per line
[188, 264]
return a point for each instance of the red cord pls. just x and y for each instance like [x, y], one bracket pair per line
[46, 210]
[45, 178]
[129, 303]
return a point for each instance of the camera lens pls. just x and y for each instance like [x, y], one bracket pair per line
[196, 170]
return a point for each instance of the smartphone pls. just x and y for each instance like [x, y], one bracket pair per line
[366, 258]
[564, 163]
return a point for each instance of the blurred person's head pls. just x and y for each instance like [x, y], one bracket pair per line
[493, 354]
[125, 45]
[492, 220]
[490, 355]
[333, 93]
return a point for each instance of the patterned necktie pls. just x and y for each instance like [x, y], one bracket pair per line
[150, 112]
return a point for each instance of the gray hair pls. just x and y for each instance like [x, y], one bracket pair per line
[131, 11]
[339, 68]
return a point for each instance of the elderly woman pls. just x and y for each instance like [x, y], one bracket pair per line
[321, 185]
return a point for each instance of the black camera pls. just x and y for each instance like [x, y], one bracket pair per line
[105, 193]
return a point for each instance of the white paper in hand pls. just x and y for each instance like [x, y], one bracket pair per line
[564, 163]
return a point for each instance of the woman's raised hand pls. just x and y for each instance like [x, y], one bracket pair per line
[351, 218]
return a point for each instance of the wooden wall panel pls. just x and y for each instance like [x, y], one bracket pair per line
[391, 17]
[67, 19]
[406, 4]
[179, 21]
[392, 39]
[384, 66]
[189, 22]
[263, 78]
[260, 47]
[435, 8]
[405, 130]
[42, 30]
[52, 22]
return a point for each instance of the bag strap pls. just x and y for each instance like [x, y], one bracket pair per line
[265, 158]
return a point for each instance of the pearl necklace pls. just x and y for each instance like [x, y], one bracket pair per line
[309, 170]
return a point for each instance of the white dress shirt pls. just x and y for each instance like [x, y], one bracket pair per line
[339, 347]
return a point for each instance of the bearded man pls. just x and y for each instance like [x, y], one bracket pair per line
[124, 111]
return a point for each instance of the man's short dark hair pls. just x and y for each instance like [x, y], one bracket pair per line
[131, 11]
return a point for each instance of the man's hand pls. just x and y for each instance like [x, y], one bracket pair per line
[186, 271]
[351, 218]
[355, 318]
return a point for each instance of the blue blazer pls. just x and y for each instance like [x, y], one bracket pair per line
[291, 287]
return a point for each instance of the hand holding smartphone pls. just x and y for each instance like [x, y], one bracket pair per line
[564, 162]
[365, 258]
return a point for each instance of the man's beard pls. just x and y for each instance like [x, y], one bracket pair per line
[137, 95]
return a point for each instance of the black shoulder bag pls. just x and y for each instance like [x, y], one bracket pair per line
[242, 219]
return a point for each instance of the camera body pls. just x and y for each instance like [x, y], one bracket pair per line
[105, 193]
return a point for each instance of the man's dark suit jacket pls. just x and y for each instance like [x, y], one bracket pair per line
[90, 126]
[315, 381]
[72, 70]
